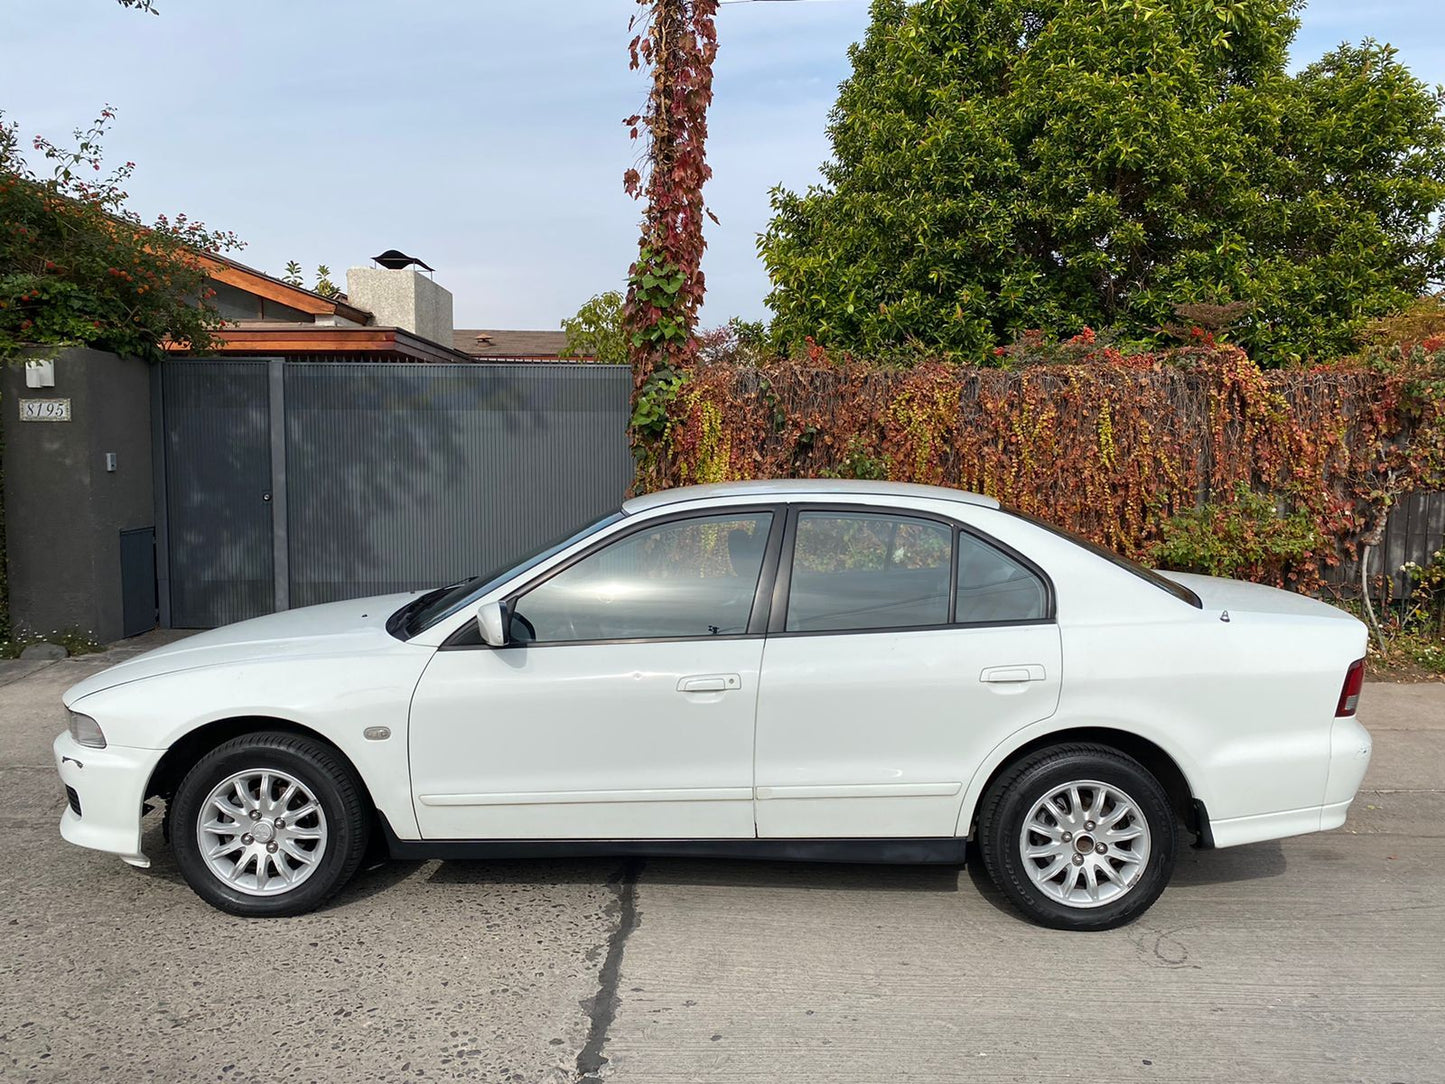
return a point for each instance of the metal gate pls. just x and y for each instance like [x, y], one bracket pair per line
[288, 484]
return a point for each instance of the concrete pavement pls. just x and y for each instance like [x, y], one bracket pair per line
[1316, 958]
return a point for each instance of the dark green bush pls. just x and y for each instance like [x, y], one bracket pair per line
[1247, 537]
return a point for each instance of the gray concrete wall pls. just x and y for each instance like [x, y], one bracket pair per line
[63, 511]
[403, 298]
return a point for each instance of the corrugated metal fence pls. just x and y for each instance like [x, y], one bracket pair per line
[1414, 531]
[290, 484]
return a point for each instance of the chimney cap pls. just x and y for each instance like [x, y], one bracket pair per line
[395, 260]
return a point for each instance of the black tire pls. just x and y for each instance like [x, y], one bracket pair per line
[1008, 802]
[323, 772]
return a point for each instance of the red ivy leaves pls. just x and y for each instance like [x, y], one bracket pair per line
[1111, 446]
[677, 39]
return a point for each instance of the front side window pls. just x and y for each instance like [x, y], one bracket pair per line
[865, 571]
[685, 578]
[427, 609]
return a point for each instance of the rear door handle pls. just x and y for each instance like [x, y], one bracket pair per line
[710, 683]
[1012, 675]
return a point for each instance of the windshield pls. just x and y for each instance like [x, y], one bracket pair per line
[428, 608]
[1178, 590]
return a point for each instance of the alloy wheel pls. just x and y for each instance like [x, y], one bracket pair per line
[1085, 843]
[261, 831]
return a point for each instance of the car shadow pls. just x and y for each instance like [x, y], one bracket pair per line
[709, 872]
[1251, 862]
[1194, 868]
[800, 876]
[526, 871]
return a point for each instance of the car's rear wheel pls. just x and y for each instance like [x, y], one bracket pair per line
[269, 824]
[1078, 837]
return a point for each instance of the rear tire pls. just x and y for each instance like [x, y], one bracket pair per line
[269, 824]
[1078, 837]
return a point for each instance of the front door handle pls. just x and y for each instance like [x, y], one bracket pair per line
[710, 683]
[1012, 675]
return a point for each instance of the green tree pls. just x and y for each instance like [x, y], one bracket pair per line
[1009, 164]
[78, 269]
[596, 330]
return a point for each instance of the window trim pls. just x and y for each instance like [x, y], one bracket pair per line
[757, 616]
[778, 610]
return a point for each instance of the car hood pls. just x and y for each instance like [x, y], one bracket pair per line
[1241, 596]
[355, 626]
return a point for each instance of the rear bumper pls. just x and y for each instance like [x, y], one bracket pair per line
[109, 787]
[1350, 748]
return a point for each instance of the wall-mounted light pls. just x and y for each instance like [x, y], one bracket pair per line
[40, 374]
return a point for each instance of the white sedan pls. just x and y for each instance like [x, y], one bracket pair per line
[844, 671]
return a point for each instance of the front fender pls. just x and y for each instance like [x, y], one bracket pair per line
[336, 697]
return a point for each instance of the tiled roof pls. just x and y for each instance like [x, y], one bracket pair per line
[529, 345]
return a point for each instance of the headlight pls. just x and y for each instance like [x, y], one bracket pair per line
[86, 731]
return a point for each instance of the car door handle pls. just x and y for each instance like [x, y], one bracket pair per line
[1012, 675]
[710, 683]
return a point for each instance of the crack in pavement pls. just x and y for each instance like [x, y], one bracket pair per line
[16, 679]
[602, 1008]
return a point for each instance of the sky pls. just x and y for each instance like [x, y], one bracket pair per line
[483, 136]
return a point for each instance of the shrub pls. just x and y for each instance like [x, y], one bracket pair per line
[1246, 538]
[79, 269]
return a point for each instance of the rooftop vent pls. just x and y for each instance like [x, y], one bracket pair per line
[396, 260]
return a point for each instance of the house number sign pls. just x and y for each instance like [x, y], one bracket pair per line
[45, 410]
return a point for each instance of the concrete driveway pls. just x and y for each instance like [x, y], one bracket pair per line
[1319, 958]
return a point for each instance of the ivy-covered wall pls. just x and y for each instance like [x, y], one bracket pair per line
[1111, 448]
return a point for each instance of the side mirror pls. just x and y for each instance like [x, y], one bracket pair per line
[492, 623]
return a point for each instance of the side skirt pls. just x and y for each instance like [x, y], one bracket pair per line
[944, 851]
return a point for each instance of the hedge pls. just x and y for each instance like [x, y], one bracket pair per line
[1111, 448]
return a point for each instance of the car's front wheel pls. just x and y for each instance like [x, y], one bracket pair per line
[1079, 837]
[269, 824]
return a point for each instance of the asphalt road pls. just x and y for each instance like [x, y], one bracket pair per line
[1318, 958]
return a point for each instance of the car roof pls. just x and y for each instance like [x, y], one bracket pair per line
[793, 488]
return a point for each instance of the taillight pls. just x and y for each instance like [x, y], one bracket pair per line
[1350, 694]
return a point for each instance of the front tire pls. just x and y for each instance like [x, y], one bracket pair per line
[268, 825]
[1078, 837]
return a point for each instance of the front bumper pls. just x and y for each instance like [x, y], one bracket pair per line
[109, 786]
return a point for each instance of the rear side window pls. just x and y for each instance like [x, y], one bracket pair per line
[862, 571]
[993, 588]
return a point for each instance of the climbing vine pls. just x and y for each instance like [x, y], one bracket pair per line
[677, 41]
